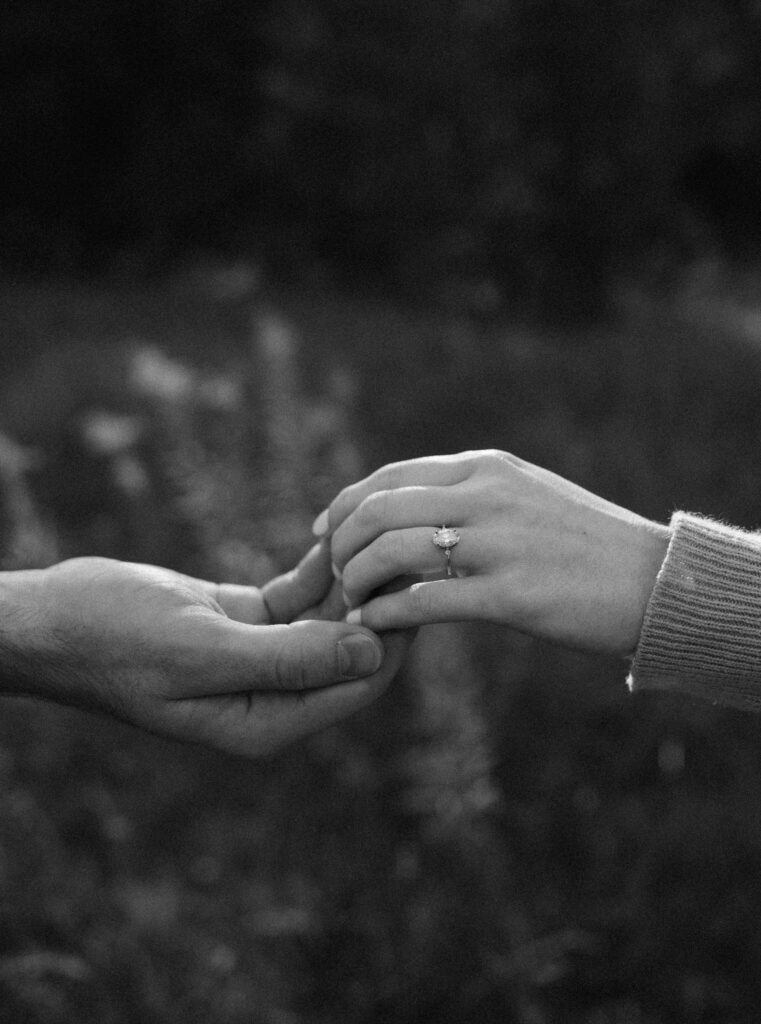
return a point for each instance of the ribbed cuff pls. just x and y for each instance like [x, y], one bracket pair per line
[702, 629]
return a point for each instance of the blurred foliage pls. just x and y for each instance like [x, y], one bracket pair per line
[507, 835]
[488, 154]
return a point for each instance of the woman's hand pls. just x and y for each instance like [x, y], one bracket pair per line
[536, 552]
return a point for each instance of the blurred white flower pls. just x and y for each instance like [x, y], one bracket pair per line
[108, 433]
[18, 459]
[154, 374]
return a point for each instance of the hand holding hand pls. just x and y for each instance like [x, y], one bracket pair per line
[536, 552]
[191, 659]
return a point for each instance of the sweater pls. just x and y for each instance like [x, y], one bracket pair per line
[701, 633]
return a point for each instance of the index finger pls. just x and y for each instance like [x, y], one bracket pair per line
[441, 470]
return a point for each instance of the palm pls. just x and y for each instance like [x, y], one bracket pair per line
[200, 661]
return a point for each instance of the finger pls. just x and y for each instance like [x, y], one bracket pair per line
[394, 554]
[382, 511]
[243, 604]
[332, 606]
[217, 655]
[289, 595]
[437, 470]
[259, 725]
[450, 600]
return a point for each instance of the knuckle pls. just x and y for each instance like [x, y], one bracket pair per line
[371, 513]
[391, 548]
[492, 459]
[474, 462]
[375, 565]
[492, 464]
[464, 460]
[391, 475]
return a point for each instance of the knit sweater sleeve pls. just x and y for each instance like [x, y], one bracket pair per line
[701, 633]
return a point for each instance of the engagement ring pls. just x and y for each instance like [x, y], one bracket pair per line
[446, 538]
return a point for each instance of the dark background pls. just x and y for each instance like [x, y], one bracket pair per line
[544, 149]
[250, 252]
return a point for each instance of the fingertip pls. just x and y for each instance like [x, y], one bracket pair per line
[359, 655]
[321, 525]
[354, 617]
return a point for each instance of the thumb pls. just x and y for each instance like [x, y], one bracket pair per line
[231, 657]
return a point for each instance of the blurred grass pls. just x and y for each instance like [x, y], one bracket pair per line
[508, 835]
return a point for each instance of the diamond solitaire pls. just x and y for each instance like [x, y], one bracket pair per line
[446, 538]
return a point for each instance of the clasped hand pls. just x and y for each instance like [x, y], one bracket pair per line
[239, 668]
[248, 670]
[536, 552]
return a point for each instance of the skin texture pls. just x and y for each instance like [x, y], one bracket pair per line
[537, 552]
[238, 668]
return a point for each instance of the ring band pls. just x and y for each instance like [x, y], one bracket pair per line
[446, 538]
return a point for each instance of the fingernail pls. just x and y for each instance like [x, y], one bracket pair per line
[336, 571]
[358, 656]
[321, 523]
[354, 617]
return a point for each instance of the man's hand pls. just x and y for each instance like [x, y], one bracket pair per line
[223, 665]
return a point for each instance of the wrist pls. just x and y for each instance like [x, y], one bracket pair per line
[650, 552]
